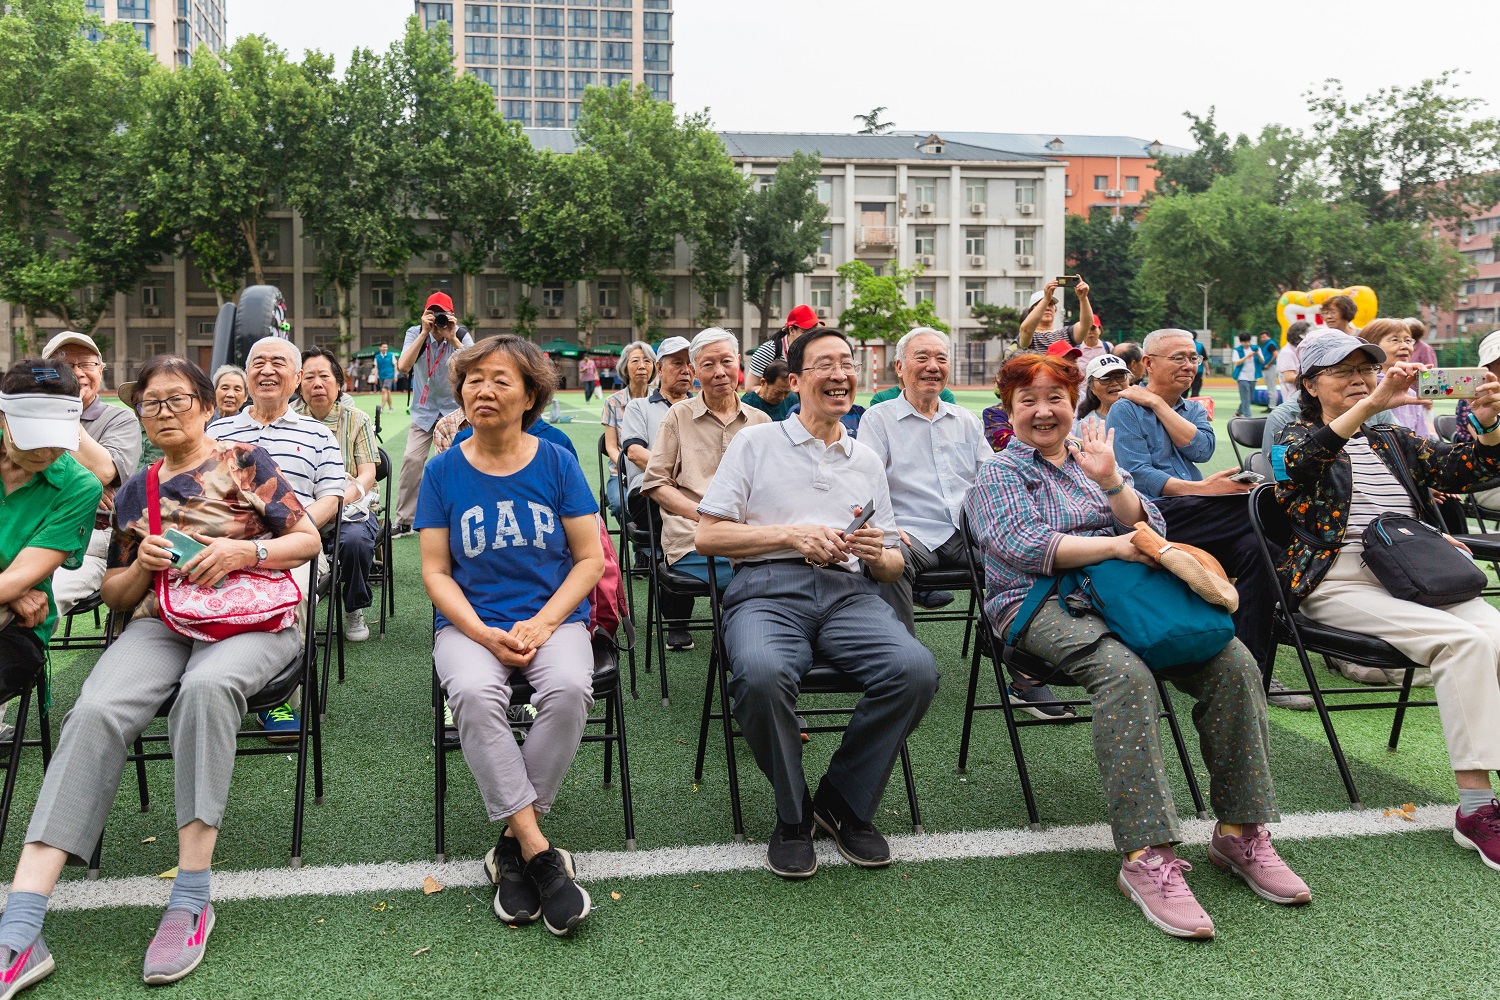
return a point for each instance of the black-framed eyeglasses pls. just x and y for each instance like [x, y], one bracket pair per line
[1349, 371]
[174, 404]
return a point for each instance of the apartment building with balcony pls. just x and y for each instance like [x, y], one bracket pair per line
[539, 57]
[987, 227]
[171, 30]
[1112, 172]
[1477, 310]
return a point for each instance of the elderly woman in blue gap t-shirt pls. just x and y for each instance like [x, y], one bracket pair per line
[510, 552]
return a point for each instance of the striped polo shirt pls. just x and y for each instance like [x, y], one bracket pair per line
[306, 452]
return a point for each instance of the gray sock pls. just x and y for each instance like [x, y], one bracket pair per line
[1471, 800]
[189, 891]
[22, 920]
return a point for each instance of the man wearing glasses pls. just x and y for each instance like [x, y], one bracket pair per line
[1160, 436]
[110, 447]
[787, 507]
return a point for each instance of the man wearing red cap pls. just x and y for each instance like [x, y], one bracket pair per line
[801, 319]
[426, 354]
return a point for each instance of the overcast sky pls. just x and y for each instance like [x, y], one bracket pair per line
[1108, 68]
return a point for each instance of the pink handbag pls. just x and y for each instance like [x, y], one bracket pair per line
[248, 600]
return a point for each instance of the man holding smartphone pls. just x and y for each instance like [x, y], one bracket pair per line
[425, 356]
[806, 589]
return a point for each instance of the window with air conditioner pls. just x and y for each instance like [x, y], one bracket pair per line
[820, 293]
[924, 290]
[1023, 291]
[1026, 192]
[825, 243]
[974, 242]
[553, 294]
[1101, 182]
[382, 294]
[973, 293]
[1025, 242]
[664, 301]
[497, 294]
[151, 296]
[1132, 184]
[976, 192]
[924, 242]
[824, 186]
[609, 297]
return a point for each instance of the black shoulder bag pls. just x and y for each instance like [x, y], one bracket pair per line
[1412, 559]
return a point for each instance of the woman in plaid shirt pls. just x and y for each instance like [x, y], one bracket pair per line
[1051, 502]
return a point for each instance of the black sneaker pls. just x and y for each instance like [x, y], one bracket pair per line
[932, 599]
[789, 852]
[564, 902]
[517, 900]
[401, 530]
[1027, 698]
[857, 840]
[679, 640]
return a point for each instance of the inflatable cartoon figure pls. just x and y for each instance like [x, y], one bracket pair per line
[1308, 306]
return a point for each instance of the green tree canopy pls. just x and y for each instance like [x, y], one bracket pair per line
[878, 309]
[782, 229]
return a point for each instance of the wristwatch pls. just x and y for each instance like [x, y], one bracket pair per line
[260, 553]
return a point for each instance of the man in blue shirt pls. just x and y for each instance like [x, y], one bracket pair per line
[385, 371]
[428, 350]
[1159, 439]
[1270, 369]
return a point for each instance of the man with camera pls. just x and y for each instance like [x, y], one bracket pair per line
[425, 356]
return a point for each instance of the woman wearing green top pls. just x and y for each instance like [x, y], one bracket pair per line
[46, 511]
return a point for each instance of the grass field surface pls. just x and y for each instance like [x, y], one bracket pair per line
[980, 907]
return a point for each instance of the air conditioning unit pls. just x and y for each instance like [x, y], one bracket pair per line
[774, 312]
[1025, 208]
[554, 312]
[441, 259]
[1463, 300]
[268, 257]
[664, 312]
[497, 312]
[925, 208]
[1067, 192]
[824, 312]
[609, 312]
[977, 260]
[325, 311]
[381, 312]
[926, 259]
[823, 259]
[151, 312]
[1114, 193]
[1026, 262]
[976, 208]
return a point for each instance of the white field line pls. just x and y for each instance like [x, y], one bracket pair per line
[596, 866]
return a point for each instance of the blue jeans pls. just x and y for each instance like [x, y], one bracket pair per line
[612, 496]
[1247, 398]
[696, 566]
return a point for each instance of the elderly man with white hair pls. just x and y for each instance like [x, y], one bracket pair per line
[307, 453]
[1160, 436]
[931, 451]
[690, 441]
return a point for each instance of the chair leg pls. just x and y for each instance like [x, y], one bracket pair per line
[1327, 720]
[968, 728]
[439, 771]
[729, 761]
[1182, 750]
[339, 638]
[609, 730]
[911, 790]
[1406, 680]
[14, 765]
[661, 654]
[629, 806]
[969, 625]
[317, 751]
[140, 775]
[44, 719]
[1015, 749]
[708, 709]
[309, 705]
[97, 856]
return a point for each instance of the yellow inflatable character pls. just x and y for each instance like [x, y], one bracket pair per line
[1308, 306]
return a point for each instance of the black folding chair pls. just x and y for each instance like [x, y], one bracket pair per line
[1261, 465]
[1274, 531]
[635, 540]
[1246, 432]
[607, 689]
[382, 571]
[12, 749]
[1039, 670]
[66, 641]
[330, 589]
[1446, 425]
[665, 582]
[955, 579]
[821, 679]
[301, 671]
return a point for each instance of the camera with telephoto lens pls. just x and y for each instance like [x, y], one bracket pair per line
[441, 318]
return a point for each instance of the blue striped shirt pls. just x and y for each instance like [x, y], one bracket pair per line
[306, 452]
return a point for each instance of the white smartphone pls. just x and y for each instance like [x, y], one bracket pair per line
[1450, 383]
[1247, 477]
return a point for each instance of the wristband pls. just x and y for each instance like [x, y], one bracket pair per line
[1481, 430]
[1116, 488]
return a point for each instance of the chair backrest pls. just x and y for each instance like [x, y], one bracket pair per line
[974, 559]
[382, 465]
[1268, 519]
[1260, 464]
[1247, 432]
[1446, 426]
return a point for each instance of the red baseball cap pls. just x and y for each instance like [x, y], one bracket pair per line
[802, 317]
[1063, 349]
[1098, 322]
[441, 299]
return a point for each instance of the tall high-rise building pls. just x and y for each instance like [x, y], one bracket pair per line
[538, 57]
[171, 30]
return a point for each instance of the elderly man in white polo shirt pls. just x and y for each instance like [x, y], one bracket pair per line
[306, 452]
[931, 451]
[780, 507]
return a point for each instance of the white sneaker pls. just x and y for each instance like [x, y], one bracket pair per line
[355, 628]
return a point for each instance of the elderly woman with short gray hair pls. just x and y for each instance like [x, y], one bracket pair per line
[636, 369]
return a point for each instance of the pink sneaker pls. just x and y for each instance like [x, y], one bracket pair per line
[1253, 859]
[1481, 832]
[1154, 882]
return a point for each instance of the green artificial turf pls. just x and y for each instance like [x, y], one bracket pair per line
[1402, 915]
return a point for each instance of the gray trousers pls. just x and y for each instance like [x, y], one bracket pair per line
[512, 777]
[413, 461]
[781, 616]
[118, 701]
[920, 559]
[1229, 712]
